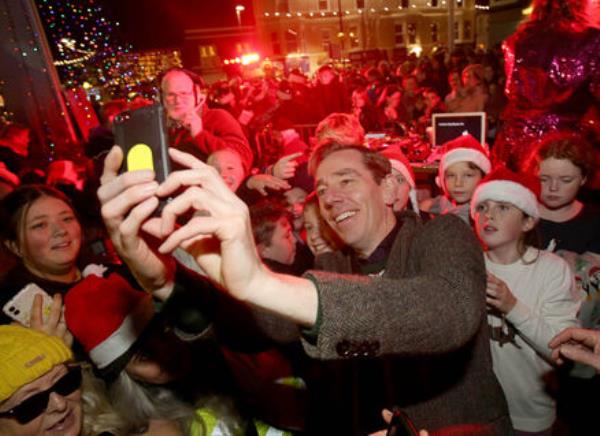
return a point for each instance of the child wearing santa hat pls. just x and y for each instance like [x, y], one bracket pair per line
[464, 163]
[530, 295]
[405, 177]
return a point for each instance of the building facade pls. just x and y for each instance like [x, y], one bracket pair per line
[322, 29]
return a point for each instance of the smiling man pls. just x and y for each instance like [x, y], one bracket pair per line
[400, 311]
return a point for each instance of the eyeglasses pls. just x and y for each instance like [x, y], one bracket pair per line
[35, 405]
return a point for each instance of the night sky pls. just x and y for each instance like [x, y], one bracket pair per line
[151, 24]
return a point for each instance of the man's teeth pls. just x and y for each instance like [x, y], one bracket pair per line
[344, 216]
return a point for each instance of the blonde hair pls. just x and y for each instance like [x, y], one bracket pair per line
[340, 128]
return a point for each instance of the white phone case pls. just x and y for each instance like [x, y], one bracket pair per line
[19, 307]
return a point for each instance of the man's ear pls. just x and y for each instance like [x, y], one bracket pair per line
[389, 186]
[13, 248]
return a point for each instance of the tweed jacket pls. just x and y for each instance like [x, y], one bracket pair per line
[421, 325]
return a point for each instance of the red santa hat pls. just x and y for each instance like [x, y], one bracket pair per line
[401, 164]
[465, 148]
[519, 189]
[107, 316]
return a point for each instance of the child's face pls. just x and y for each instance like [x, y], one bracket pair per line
[402, 191]
[499, 225]
[229, 165]
[314, 237]
[283, 245]
[560, 181]
[460, 181]
[295, 201]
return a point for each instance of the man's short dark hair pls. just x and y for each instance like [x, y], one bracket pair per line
[378, 165]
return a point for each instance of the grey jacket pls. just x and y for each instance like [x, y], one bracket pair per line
[420, 328]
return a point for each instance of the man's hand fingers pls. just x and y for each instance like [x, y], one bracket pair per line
[130, 226]
[579, 354]
[196, 228]
[55, 313]
[112, 163]
[112, 188]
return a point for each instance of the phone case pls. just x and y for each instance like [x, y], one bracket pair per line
[19, 307]
[142, 135]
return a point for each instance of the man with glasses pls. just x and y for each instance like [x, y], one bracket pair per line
[39, 393]
[194, 128]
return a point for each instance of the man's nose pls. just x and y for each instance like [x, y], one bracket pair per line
[56, 403]
[553, 185]
[459, 181]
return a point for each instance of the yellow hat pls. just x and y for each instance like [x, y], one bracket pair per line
[26, 355]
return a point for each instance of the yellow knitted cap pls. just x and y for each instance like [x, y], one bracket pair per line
[26, 355]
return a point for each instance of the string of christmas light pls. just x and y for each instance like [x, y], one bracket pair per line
[82, 41]
[353, 12]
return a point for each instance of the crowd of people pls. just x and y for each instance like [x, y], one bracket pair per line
[296, 283]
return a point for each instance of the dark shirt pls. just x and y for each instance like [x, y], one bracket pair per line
[579, 234]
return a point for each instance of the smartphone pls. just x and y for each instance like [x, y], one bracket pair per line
[142, 135]
[401, 425]
[19, 307]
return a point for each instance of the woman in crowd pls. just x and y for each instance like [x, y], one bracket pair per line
[364, 110]
[39, 392]
[41, 231]
[530, 296]
[552, 76]
[474, 94]
[319, 236]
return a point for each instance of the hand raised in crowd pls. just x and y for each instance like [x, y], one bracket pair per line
[127, 201]
[56, 325]
[260, 183]
[499, 296]
[387, 417]
[192, 120]
[285, 168]
[577, 344]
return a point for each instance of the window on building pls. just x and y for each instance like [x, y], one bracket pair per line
[323, 5]
[460, 3]
[467, 29]
[275, 43]
[456, 30]
[411, 29]
[326, 40]
[283, 6]
[434, 32]
[360, 4]
[291, 41]
[399, 34]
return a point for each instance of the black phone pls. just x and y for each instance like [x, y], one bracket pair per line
[142, 135]
[401, 425]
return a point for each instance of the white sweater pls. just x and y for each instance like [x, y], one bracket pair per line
[547, 303]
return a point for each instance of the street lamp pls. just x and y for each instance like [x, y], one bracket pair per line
[238, 11]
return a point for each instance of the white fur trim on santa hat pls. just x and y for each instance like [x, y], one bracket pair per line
[508, 192]
[124, 336]
[462, 155]
[401, 168]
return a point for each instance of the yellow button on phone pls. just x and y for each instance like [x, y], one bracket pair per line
[140, 158]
